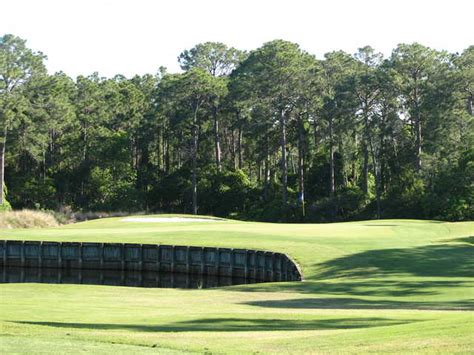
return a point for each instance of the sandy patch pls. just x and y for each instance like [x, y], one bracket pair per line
[167, 219]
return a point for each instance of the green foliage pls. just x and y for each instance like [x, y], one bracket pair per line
[452, 194]
[5, 206]
[214, 57]
[36, 193]
[243, 134]
[112, 190]
[403, 198]
[225, 193]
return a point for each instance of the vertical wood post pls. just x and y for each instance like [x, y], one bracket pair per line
[141, 255]
[246, 264]
[101, 256]
[188, 260]
[60, 255]
[172, 261]
[80, 257]
[158, 259]
[40, 256]
[122, 256]
[203, 261]
[5, 259]
[232, 262]
[22, 253]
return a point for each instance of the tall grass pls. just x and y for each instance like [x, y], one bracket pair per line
[26, 219]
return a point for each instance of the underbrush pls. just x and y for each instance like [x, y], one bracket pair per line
[66, 215]
[27, 219]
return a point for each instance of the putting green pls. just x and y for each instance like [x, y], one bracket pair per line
[378, 286]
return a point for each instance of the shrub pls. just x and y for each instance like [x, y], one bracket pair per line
[5, 206]
[27, 219]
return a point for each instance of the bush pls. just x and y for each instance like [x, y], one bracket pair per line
[404, 196]
[112, 189]
[451, 195]
[27, 219]
[5, 206]
[224, 193]
[33, 193]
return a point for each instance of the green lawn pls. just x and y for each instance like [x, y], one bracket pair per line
[400, 286]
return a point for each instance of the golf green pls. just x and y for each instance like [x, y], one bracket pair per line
[372, 286]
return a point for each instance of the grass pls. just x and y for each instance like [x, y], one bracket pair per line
[399, 286]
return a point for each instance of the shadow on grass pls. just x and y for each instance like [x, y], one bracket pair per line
[376, 288]
[381, 225]
[468, 240]
[355, 303]
[236, 324]
[443, 260]
[381, 273]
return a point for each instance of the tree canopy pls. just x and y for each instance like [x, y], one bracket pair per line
[274, 134]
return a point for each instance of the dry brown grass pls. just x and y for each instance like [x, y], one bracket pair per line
[26, 219]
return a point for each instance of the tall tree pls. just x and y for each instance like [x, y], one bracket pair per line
[191, 94]
[274, 72]
[336, 68]
[416, 65]
[18, 64]
[213, 57]
[218, 60]
[367, 91]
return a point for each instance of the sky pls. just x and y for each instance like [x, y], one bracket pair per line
[131, 37]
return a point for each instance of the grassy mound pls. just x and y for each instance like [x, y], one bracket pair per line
[26, 219]
[373, 286]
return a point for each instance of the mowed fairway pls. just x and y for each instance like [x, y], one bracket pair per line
[379, 286]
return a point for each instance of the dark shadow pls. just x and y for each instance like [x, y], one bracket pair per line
[236, 324]
[381, 225]
[355, 303]
[468, 240]
[376, 288]
[443, 260]
[116, 278]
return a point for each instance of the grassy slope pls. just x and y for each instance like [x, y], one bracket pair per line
[394, 286]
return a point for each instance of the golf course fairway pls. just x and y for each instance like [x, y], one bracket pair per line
[388, 286]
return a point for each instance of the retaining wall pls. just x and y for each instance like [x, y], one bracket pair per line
[251, 264]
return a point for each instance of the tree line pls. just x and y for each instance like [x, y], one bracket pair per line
[272, 134]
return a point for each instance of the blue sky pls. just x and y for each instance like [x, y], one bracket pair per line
[139, 36]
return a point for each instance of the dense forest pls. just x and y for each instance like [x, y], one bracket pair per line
[274, 134]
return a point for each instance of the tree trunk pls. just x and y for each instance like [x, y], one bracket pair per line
[194, 161]
[315, 133]
[239, 142]
[217, 142]
[159, 148]
[332, 187]
[470, 101]
[284, 163]
[376, 172]
[418, 143]
[365, 182]
[233, 153]
[3, 141]
[342, 157]
[84, 140]
[167, 154]
[332, 183]
[266, 173]
[382, 153]
[301, 152]
[417, 117]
